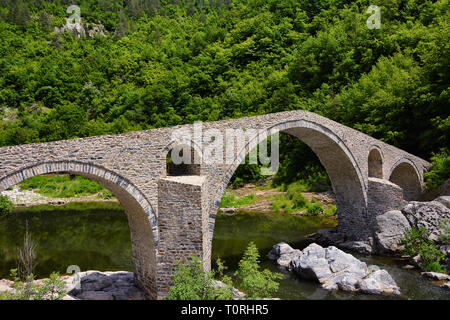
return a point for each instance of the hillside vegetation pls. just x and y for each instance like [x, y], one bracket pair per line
[164, 63]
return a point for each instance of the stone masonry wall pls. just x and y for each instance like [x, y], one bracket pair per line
[135, 163]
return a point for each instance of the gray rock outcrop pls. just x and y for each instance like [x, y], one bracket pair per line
[428, 215]
[334, 269]
[436, 276]
[390, 227]
[96, 285]
[283, 253]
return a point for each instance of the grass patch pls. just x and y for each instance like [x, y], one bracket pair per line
[64, 186]
[231, 200]
[294, 201]
[70, 207]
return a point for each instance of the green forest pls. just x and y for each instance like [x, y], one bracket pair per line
[170, 62]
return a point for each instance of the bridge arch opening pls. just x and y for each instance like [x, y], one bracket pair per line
[405, 175]
[375, 164]
[342, 169]
[141, 216]
[183, 159]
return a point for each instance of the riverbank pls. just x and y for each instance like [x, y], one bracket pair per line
[252, 198]
[97, 237]
[28, 198]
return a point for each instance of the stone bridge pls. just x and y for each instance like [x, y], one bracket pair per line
[172, 216]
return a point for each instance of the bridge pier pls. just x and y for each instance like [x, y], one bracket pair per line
[183, 226]
[383, 196]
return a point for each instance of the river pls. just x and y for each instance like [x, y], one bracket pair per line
[95, 236]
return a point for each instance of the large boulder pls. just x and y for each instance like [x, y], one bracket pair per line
[312, 264]
[428, 215]
[363, 247]
[96, 285]
[337, 270]
[339, 262]
[379, 282]
[390, 227]
[445, 200]
[283, 254]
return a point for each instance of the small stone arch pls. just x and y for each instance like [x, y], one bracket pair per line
[141, 216]
[405, 174]
[193, 167]
[375, 163]
[344, 172]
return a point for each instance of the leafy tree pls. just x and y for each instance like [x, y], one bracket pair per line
[440, 170]
[256, 284]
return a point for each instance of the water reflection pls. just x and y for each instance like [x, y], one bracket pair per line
[96, 236]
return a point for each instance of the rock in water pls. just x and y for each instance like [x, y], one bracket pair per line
[436, 275]
[283, 253]
[337, 270]
[379, 282]
[339, 261]
[446, 285]
[390, 227]
[311, 264]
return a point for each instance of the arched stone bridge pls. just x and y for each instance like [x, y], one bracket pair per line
[172, 217]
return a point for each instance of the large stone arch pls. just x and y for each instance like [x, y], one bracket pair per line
[141, 216]
[342, 168]
[405, 174]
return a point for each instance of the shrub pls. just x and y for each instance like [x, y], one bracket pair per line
[440, 170]
[314, 210]
[50, 289]
[256, 284]
[191, 282]
[417, 243]
[6, 206]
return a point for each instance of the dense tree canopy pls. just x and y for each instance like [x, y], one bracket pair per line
[171, 62]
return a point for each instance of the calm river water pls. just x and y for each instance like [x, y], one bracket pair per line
[96, 237]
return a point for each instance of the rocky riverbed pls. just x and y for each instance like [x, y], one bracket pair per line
[97, 285]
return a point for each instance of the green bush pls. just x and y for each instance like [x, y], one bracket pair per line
[417, 243]
[294, 193]
[50, 289]
[6, 206]
[440, 170]
[191, 282]
[256, 284]
[314, 210]
[281, 202]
